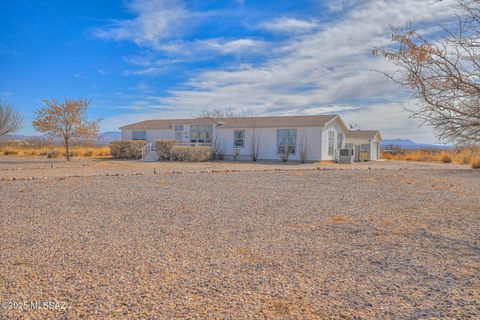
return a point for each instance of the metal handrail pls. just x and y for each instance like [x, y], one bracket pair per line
[194, 144]
[146, 149]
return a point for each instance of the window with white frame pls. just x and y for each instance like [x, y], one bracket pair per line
[239, 138]
[178, 128]
[339, 140]
[286, 141]
[331, 142]
[139, 135]
[201, 134]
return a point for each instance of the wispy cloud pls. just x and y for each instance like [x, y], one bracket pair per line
[341, 5]
[156, 21]
[289, 25]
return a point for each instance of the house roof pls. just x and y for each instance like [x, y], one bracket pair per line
[167, 123]
[241, 122]
[362, 134]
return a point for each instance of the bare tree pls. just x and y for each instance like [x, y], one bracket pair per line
[303, 145]
[444, 75]
[219, 113]
[10, 119]
[218, 146]
[67, 119]
[254, 137]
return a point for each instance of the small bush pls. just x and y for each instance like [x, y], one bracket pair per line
[88, 153]
[446, 158]
[53, 154]
[386, 156]
[475, 163]
[10, 152]
[73, 153]
[236, 153]
[164, 148]
[127, 149]
[194, 154]
[284, 156]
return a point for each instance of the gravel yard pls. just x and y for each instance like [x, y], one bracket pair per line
[112, 240]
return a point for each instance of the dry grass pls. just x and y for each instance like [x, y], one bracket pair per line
[338, 220]
[75, 151]
[457, 155]
[475, 163]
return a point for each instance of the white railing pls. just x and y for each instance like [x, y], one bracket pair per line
[146, 149]
[194, 144]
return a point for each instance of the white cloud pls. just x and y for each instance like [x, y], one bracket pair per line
[156, 21]
[340, 5]
[237, 46]
[289, 25]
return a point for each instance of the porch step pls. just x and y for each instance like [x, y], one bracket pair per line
[150, 156]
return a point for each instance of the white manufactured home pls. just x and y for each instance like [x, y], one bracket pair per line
[319, 137]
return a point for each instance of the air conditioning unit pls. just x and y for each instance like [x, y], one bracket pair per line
[346, 156]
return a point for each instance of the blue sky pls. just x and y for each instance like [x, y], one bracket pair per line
[143, 59]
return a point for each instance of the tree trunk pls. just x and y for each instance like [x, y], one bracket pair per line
[67, 149]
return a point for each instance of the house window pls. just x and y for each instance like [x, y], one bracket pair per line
[201, 134]
[331, 142]
[178, 128]
[286, 140]
[365, 147]
[239, 138]
[139, 135]
[339, 140]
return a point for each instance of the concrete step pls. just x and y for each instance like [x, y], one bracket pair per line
[150, 156]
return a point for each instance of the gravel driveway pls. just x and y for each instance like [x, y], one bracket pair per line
[306, 244]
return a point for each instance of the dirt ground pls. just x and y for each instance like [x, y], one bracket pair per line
[104, 239]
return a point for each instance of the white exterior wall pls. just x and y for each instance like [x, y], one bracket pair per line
[152, 134]
[336, 127]
[374, 146]
[317, 140]
[268, 141]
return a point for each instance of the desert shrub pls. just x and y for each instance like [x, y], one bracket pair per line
[127, 149]
[8, 151]
[73, 153]
[475, 163]
[53, 154]
[284, 156]
[194, 154]
[236, 153]
[102, 152]
[164, 148]
[179, 153]
[446, 158]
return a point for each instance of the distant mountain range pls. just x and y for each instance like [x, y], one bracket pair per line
[109, 136]
[103, 138]
[409, 144]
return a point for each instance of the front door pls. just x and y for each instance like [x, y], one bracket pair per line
[357, 152]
